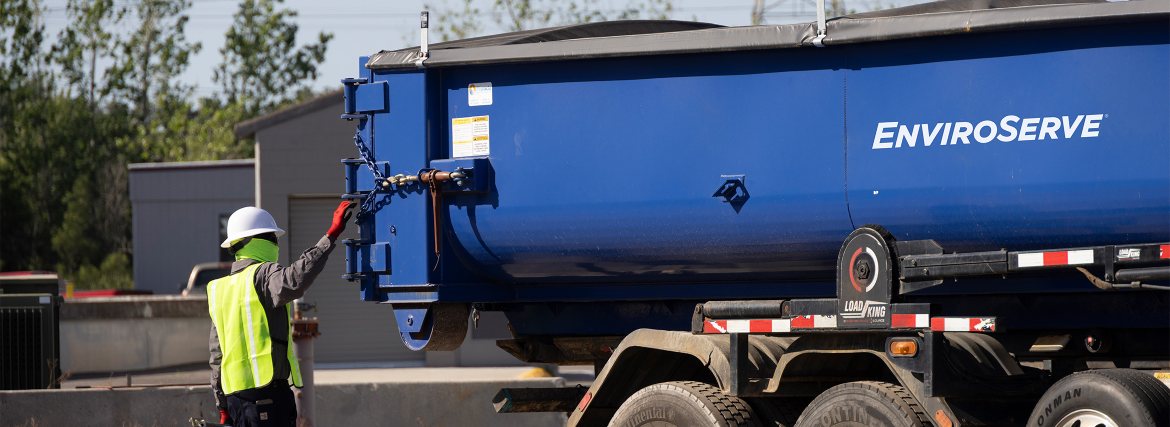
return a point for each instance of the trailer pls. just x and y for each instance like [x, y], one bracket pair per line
[950, 214]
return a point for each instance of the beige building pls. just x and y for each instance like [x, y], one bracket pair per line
[198, 195]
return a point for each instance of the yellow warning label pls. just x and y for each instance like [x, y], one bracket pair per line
[470, 136]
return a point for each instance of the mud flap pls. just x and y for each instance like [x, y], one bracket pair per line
[865, 278]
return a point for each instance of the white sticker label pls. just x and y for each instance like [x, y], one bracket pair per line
[479, 94]
[469, 137]
[44, 300]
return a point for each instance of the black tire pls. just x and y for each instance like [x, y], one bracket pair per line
[867, 403]
[780, 412]
[1125, 396]
[683, 403]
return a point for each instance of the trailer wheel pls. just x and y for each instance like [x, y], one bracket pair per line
[683, 403]
[864, 403]
[1104, 398]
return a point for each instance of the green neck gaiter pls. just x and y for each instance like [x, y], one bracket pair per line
[259, 250]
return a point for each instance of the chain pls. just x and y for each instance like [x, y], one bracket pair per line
[368, 205]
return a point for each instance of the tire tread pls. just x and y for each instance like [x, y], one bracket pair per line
[911, 410]
[1146, 388]
[898, 394]
[725, 410]
[729, 407]
[1150, 394]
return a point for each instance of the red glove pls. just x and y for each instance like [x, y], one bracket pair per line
[340, 217]
[223, 416]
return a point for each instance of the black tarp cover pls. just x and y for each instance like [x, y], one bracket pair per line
[631, 38]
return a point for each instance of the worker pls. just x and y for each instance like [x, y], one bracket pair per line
[252, 360]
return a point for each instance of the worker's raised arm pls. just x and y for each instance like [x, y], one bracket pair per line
[285, 284]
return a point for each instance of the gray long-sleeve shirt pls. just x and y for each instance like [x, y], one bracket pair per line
[276, 286]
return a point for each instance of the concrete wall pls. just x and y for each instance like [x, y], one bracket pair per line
[126, 334]
[127, 345]
[454, 403]
[176, 213]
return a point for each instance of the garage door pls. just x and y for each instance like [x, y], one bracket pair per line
[351, 330]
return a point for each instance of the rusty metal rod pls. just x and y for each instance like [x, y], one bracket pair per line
[426, 177]
[432, 178]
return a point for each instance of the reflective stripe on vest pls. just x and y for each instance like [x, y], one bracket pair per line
[244, 337]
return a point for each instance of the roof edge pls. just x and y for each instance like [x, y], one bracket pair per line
[199, 164]
[248, 128]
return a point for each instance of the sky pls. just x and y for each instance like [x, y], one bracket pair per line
[363, 27]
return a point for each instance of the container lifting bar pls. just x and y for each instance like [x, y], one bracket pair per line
[424, 50]
[820, 24]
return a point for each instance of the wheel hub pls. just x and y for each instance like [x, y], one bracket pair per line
[1086, 418]
[862, 269]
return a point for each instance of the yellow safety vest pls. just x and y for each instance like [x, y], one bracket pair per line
[244, 339]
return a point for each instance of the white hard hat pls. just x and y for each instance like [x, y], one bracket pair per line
[249, 221]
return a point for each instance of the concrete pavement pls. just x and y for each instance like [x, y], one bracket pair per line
[366, 396]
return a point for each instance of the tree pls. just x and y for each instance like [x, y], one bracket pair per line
[262, 66]
[202, 132]
[80, 44]
[21, 36]
[149, 61]
[108, 93]
[518, 15]
[23, 79]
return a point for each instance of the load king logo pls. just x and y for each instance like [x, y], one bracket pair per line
[862, 309]
[1010, 128]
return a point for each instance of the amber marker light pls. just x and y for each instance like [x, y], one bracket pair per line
[942, 419]
[903, 347]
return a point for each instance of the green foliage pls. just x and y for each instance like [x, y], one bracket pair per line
[74, 240]
[517, 15]
[262, 66]
[150, 59]
[81, 44]
[114, 272]
[198, 133]
[21, 36]
[107, 93]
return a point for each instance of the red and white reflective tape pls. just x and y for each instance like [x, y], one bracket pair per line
[1054, 258]
[962, 324]
[805, 323]
[909, 321]
[768, 326]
